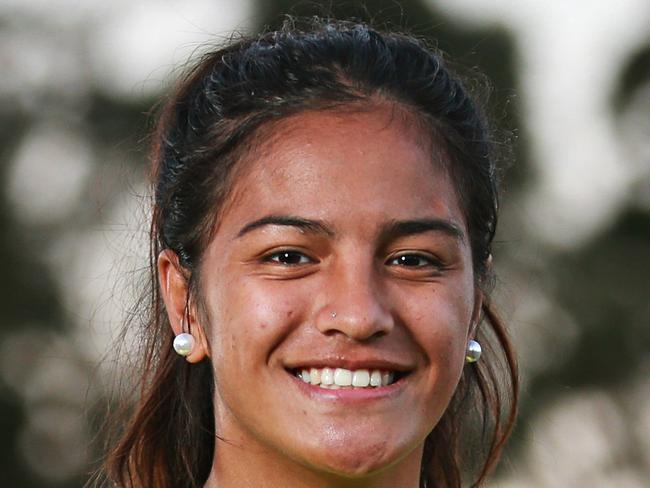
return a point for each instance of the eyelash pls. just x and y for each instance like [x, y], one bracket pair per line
[425, 260]
[286, 256]
[277, 256]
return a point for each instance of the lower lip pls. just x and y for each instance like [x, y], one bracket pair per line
[350, 394]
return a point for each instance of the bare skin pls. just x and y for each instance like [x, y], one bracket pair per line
[342, 246]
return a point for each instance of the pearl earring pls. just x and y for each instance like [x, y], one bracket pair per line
[184, 343]
[473, 352]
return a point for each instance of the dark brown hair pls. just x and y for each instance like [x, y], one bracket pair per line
[201, 134]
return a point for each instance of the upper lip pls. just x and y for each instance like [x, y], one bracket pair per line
[339, 361]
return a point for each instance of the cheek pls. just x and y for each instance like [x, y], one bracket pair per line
[249, 319]
[440, 320]
[441, 333]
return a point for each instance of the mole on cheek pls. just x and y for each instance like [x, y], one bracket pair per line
[289, 313]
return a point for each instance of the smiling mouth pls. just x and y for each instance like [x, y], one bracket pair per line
[341, 378]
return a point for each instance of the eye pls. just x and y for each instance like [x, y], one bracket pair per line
[287, 258]
[414, 260]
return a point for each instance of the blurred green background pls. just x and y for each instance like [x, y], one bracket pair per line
[571, 80]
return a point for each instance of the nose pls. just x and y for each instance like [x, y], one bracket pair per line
[354, 305]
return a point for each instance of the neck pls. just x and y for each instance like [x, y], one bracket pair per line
[238, 466]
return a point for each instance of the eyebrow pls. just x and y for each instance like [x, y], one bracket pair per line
[313, 226]
[403, 228]
[392, 230]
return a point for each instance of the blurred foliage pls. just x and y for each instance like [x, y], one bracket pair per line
[603, 284]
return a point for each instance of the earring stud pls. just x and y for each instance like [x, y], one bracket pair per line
[473, 352]
[183, 344]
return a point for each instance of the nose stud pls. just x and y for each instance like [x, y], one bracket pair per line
[333, 314]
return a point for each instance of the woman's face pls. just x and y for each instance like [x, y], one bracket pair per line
[341, 253]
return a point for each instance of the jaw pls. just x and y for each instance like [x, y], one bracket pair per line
[357, 436]
[338, 435]
[367, 468]
[369, 463]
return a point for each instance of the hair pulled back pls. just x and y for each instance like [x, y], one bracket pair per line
[203, 130]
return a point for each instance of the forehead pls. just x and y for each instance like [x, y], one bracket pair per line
[379, 162]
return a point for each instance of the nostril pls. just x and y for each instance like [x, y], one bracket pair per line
[359, 325]
[355, 337]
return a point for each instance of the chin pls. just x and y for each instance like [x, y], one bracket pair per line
[359, 457]
[355, 465]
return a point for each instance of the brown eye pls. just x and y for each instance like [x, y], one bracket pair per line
[413, 260]
[288, 258]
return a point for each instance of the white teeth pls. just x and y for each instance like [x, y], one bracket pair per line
[342, 377]
[326, 376]
[314, 376]
[335, 378]
[305, 376]
[361, 378]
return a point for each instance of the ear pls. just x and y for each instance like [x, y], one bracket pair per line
[476, 313]
[479, 299]
[174, 291]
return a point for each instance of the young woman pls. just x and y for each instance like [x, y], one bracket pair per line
[325, 202]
